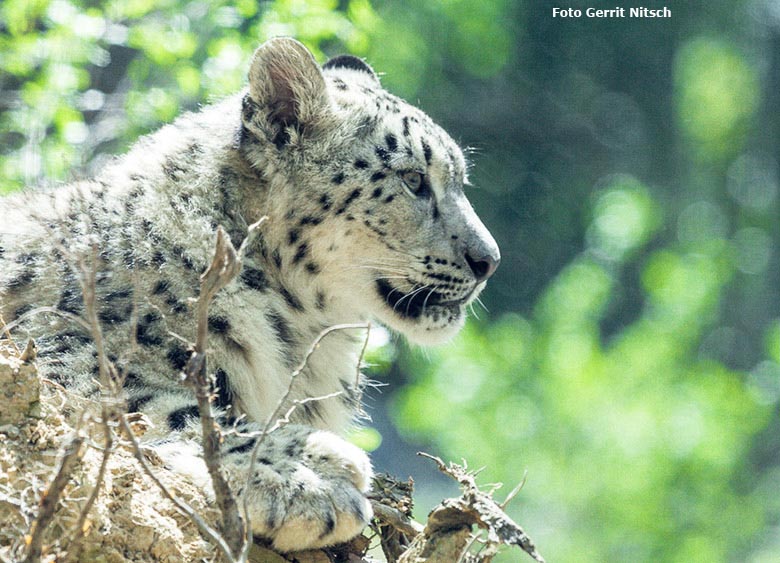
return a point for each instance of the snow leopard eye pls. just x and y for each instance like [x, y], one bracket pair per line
[415, 183]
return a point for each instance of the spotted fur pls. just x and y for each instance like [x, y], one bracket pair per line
[367, 219]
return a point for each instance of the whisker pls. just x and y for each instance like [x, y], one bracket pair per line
[381, 264]
[425, 302]
[387, 260]
[409, 295]
[388, 297]
[374, 268]
[404, 296]
[411, 298]
[377, 278]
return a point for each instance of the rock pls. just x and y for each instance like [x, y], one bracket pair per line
[20, 388]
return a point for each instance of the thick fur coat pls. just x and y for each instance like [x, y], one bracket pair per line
[367, 220]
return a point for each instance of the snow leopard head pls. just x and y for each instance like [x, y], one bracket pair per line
[371, 190]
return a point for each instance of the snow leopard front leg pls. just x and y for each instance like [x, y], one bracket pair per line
[307, 488]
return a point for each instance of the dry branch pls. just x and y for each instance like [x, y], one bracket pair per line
[275, 421]
[6, 331]
[447, 535]
[81, 528]
[109, 386]
[397, 519]
[224, 267]
[72, 453]
[206, 531]
[392, 502]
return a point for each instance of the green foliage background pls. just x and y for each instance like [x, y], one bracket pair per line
[630, 358]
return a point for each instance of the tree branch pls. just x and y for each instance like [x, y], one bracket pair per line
[72, 454]
[206, 531]
[473, 507]
[275, 421]
[224, 267]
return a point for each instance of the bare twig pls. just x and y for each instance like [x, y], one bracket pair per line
[513, 493]
[473, 507]
[287, 416]
[396, 519]
[206, 531]
[109, 387]
[72, 453]
[274, 421]
[72, 449]
[224, 267]
[7, 332]
[75, 544]
[53, 310]
[302, 366]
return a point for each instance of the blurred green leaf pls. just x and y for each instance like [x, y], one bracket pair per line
[717, 95]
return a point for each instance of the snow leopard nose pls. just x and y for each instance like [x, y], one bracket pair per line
[483, 266]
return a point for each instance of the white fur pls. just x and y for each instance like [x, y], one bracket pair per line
[323, 155]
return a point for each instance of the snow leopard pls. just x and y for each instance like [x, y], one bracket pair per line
[366, 220]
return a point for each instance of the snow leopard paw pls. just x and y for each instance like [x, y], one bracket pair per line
[308, 489]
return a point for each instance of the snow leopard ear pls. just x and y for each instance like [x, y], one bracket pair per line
[285, 79]
[352, 63]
